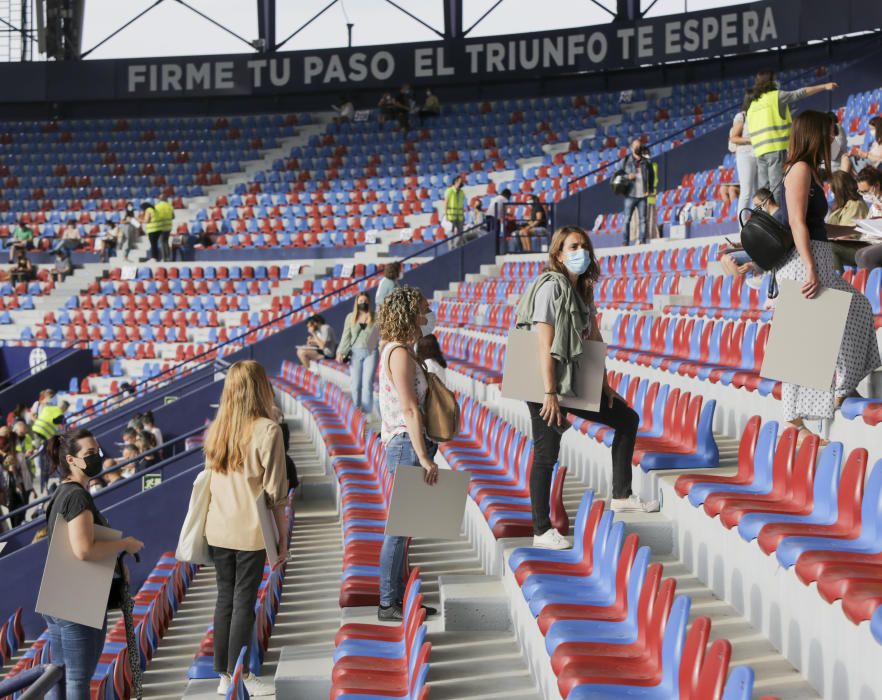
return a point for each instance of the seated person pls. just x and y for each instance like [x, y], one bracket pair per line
[734, 259]
[873, 156]
[62, 268]
[869, 183]
[105, 243]
[535, 228]
[147, 441]
[22, 239]
[848, 205]
[71, 239]
[321, 341]
[23, 270]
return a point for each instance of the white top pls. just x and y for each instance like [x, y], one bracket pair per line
[741, 118]
[436, 369]
[496, 206]
[391, 413]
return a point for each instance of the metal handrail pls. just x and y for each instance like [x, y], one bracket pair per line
[108, 400]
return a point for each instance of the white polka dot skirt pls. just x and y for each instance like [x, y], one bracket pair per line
[859, 353]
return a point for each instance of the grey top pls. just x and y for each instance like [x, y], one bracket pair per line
[329, 337]
[788, 97]
[543, 307]
[383, 290]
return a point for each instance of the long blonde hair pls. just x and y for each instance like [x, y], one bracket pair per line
[247, 396]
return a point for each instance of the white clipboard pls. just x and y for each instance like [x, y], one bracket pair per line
[268, 529]
[418, 509]
[521, 379]
[805, 337]
[73, 589]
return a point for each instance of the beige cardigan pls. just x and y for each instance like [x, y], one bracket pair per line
[232, 514]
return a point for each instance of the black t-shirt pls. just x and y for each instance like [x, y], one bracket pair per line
[69, 500]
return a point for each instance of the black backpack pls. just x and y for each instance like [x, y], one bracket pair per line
[766, 240]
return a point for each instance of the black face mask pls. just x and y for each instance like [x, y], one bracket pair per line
[364, 307]
[93, 465]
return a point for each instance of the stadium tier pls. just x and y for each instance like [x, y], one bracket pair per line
[746, 564]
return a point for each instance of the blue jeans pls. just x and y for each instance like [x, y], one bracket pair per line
[630, 204]
[77, 647]
[399, 451]
[362, 368]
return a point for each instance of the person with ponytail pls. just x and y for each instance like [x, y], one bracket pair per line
[244, 450]
[75, 457]
[559, 307]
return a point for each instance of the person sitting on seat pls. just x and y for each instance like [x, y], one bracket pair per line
[23, 270]
[873, 156]
[22, 239]
[535, 229]
[62, 268]
[321, 341]
[735, 260]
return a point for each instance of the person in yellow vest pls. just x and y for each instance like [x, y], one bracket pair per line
[651, 219]
[769, 119]
[454, 209]
[158, 219]
[47, 425]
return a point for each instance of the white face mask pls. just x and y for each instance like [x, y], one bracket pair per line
[94, 489]
[429, 326]
[868, 198]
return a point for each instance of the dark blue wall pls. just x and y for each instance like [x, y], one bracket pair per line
[64, 363]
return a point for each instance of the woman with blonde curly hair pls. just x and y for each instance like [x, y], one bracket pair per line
[402, 319]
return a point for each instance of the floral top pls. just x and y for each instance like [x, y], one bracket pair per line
[390, 405]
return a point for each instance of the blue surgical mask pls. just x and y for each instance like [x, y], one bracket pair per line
[577, 261]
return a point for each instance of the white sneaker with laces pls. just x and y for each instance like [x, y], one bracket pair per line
[224, 685]
[632, 504]
[551, 539]
[754, 281]
[257, 687]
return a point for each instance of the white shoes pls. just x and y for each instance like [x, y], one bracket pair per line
[257, 687]
[223, 687]
[552, 539]
[253, 685]
[632, 504]
[754, 281]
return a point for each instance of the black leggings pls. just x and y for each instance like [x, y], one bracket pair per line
[546, 448]
[155, 252]
[238, 577]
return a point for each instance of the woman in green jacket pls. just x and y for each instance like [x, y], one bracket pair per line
[360, 340]
[559, 307]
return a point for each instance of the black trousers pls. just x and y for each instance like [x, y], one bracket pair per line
[546, 448]
[155, 252]
[238, 576]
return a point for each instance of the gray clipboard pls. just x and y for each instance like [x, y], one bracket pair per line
[418, 509]
[805, 337]
[522, 380]
[72, 589]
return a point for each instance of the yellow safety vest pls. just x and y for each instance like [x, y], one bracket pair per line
[650, 199]
[162, 217]
[45, 425]
[769, 131]
[454, 204]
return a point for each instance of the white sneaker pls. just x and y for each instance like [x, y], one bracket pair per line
[552, 539]
[256, 687]
[223, 686]
[632, 504]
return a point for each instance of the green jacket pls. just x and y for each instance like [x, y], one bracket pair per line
[571, 318]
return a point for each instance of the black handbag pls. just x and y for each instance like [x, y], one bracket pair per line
[767, 241]
[620, 183]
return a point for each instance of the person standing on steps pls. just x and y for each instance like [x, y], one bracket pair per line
[75, 457]
[403, 320]
[391, 275]
[454, 209]
[245, 452]
[359, 341]
[767, 109]
[811, 263]
[559, 307]
[640, 172]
